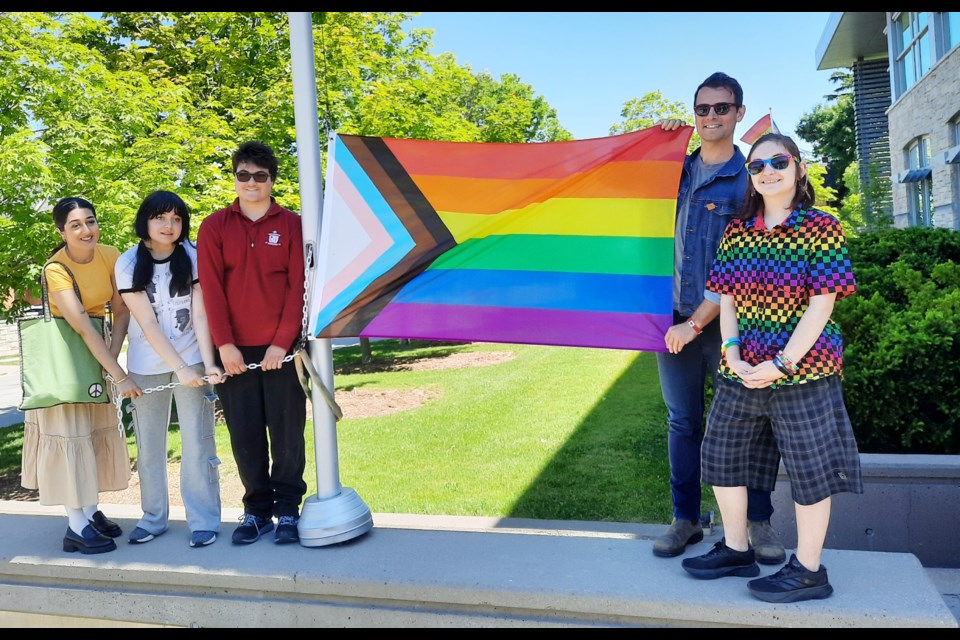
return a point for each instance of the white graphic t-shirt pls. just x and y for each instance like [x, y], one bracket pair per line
[173, 313]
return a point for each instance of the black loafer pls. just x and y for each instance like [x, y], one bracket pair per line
[104, 526]
[90, 541]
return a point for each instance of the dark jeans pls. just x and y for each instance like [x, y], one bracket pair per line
[256, 403]
[683, 378]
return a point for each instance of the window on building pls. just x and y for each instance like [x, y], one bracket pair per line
[953, 153]
[951, 31]
[920, 38]
[912, 41]
[919, 183]
[953, 162]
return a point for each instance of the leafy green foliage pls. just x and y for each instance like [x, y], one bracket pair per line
[644, 112]
[902, 353]
[831, 130]
[113, 108]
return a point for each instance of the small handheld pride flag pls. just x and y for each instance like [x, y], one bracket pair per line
[763, 126]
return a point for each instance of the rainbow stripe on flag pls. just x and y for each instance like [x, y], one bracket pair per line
[762, 127]
[559, 243]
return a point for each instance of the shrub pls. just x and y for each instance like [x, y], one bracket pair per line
[901, 335]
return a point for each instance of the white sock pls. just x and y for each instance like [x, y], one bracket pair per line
[89, 511]
[77, 520]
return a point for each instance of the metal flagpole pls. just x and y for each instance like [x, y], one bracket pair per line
[335, 513]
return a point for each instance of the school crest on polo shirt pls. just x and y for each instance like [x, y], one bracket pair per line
[273, 239]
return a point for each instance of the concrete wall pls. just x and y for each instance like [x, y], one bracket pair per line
[909, 504]
[399, 574]
[9, 340]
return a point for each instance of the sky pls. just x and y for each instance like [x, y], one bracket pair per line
[587, 65]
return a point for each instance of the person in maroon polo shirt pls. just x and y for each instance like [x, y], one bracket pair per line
[250, 258]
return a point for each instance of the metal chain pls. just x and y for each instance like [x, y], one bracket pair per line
[118, 401]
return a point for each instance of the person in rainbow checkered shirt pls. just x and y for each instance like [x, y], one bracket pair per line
[781, 266]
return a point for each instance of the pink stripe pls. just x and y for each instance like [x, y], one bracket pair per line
[635, 331]
[379, 240]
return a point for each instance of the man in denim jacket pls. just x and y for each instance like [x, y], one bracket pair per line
[712, 189]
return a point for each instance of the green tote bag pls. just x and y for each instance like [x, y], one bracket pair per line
[56, 367]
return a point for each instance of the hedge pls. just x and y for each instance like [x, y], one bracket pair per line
[901, 329]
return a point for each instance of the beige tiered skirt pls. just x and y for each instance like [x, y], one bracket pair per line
[72, 452]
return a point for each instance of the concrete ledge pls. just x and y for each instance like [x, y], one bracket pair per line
[908, 505]
[398, 575]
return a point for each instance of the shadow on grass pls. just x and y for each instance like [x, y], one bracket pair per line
[391, 355]
[618, 452]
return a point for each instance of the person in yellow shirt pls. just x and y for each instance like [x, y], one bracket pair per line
[72, 452]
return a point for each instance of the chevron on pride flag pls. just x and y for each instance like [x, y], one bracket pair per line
[554, 243]
[763, 126]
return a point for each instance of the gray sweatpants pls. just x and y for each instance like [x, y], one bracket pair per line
[199, 464]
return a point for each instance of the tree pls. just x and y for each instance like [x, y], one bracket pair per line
[643, 113]
[70, 125]
[830, 129]
[113, 108]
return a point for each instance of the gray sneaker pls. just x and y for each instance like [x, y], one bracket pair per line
[677, 537]
[765, 542]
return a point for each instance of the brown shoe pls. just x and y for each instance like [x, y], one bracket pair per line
[765, 542]
[678, 535]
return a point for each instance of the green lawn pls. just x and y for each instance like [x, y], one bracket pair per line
[555, 433]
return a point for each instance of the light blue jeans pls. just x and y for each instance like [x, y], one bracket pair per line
[199, 464]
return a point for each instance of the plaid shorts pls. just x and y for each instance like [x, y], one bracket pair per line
[748, 430]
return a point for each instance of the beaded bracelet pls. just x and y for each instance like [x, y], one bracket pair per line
[787, 362]
[779, 364]
[729, 342]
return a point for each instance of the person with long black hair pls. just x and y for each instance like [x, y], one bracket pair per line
[169, 341]
[72, 452]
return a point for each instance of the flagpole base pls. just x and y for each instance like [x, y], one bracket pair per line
[343, 517]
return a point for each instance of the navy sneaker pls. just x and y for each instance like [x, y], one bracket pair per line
[287, 530]
[722, 561]
[251, 528]
[793, 583]
[141, 535]
[202, 538]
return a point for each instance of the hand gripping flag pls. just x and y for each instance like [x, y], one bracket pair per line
[763, 126]
[557, 243]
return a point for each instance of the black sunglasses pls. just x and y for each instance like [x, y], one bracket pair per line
[721, 108]
[779, 162]
[259, 176]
